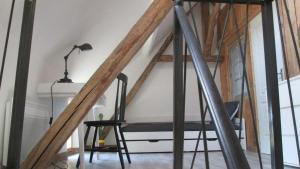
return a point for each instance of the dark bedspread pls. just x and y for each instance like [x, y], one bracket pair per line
[168, 126]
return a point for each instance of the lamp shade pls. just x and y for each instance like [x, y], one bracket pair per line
[85, 46]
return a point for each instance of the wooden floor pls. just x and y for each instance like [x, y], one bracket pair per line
[161, 161]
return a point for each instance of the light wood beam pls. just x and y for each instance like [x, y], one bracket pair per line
[170, 58]
[64, 155]
[211, 27]
[146, 73]
[192, 8]
[148, 69]
[293, 7]
[66, 123]
[205, 19]
[152, 63]
[138, 84]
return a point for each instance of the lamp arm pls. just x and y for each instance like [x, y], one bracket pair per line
[66, 60]
[66, 79]
[67, 56]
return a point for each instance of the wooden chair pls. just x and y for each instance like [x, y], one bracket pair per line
[119, 119]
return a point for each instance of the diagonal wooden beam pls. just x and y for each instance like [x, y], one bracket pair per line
[170, 58]
[138, 84]
[66, 123]
[211, 29]
[145, 74]
[148, 69]
[152, 63]
[204, 18]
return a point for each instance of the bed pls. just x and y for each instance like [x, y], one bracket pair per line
[151, 137]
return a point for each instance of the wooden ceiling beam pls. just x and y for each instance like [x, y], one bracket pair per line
[170, 58]
[138, 84]
[148, 69]
[211, 29]
[204, 19]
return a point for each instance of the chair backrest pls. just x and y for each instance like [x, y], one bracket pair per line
[232, 109]
[121, 97]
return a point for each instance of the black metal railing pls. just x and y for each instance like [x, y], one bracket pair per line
[230, 145]
[229, 142]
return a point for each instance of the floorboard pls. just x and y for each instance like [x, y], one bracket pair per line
[160, 161]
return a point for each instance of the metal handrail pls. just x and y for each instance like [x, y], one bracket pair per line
[231, 148]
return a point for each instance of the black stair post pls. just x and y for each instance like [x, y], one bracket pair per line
[272, 86]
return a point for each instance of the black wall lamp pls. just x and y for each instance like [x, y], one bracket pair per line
[83, 47]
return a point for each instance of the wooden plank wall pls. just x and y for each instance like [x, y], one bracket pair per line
[213, 18]
[294, 7]
[230, 39]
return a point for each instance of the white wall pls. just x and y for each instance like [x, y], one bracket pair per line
[60, 24]
[154, 101]
[105, 33]
[288, 134]
[51, 33]
[257, 49]
[6, 90]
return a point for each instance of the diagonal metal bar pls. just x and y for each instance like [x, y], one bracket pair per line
[214, 75]
[6, 41]
[244, 53]
[245, 78]
[231, 148]
[195, 25]
[206, 157]
[201, 102]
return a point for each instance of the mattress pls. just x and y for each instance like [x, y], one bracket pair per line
[168, 126]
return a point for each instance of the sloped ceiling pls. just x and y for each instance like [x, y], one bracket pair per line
[60, 24]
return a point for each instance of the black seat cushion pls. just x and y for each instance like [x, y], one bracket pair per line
[103, 123]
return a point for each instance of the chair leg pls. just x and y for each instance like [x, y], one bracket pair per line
[119, 147]
[85, 140]
[124, 144]
[78, 162]
[93, 145]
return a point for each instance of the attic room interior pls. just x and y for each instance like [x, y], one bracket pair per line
[181, 84]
